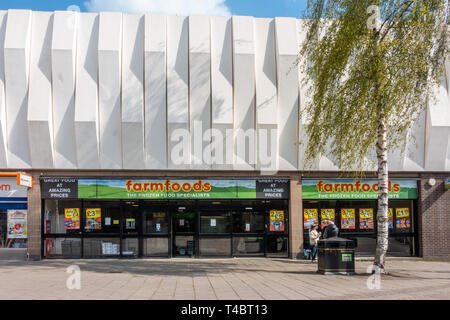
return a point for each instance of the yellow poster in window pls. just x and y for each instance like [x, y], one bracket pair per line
[71, 218]
[310, 218]
[93, 219]
[366, 218]
[348, 218]
[326, 215]
[276, 220]
[402, 220]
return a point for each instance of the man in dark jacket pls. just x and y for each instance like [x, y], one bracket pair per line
[331, 230]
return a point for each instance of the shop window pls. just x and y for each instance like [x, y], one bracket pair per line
[277, 246]
[101, 247]
[253, 246]
[156, 247]
[155, 222]
[62, 248]
[62, 217]
[13, 228]
[248, 222]
[215, 247]
[215, 223]
[102, 217]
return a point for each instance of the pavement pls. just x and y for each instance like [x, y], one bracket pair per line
[229, 279]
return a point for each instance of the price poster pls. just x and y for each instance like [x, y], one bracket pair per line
[93, 219]
[310, 218]
[276, 220]
[366, 218]
[391, 218]
[325, 216]
[348, 218]
[17, 224]
[402, 218]
[71, 218]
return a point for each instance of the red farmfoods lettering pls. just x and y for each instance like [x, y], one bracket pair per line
[357, 186]
[167, 186]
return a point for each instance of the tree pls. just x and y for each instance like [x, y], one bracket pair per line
[370, 68]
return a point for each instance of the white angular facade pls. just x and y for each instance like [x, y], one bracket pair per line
[110, 91]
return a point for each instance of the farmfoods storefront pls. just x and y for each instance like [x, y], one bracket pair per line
[93, 218]
[352, 205]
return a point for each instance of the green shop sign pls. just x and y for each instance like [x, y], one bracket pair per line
[72, 188]
[356, 189]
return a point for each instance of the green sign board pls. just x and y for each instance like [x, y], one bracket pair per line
[181, 189]
[356, 189]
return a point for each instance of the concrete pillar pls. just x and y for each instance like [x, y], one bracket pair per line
[34, 219]
[296, 218]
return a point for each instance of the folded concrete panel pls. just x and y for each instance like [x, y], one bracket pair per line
[133, 92]
[266, 95]
[200, 91]
[3, 134]
[155, 92]
[110, 80]
[244, 93]
[40, 106]
[17, 58]
[222, 93]
[63, 81]
[437, 147]
[178, 90]
[287, 49]
[86, 93]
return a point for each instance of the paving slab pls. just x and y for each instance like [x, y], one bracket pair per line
[229, 279]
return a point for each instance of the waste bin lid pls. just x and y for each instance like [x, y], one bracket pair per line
[336, 242]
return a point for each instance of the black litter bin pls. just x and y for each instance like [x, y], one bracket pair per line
[336, 256]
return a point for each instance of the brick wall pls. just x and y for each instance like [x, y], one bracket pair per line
[434, 218]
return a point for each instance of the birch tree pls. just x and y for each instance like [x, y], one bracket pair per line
[371, 67]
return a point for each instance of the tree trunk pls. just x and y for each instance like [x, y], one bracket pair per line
[383, 184]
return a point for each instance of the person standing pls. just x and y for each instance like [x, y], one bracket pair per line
[314, 236]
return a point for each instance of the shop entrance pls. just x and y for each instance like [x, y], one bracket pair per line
[183, 235]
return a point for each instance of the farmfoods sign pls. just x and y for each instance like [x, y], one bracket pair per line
[165, 188]
[356, 189]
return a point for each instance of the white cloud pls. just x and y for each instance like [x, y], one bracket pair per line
[178, 7]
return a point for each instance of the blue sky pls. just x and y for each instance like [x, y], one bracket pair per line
[257, 8]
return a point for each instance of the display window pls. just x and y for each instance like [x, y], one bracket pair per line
[62, 217]
[162, 228]
[356, 220]
[13, 228]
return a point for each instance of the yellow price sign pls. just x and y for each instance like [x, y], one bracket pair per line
[402, 212]
[366, 213]
[390, 214]
[348, 213]
[71, 213]
[310, 213]
[276, 215]
[93, 213]
[327, 214]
